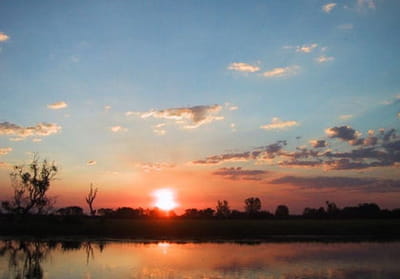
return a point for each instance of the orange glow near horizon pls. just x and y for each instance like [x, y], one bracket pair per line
[165, 199]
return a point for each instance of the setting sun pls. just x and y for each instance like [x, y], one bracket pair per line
[165, 199]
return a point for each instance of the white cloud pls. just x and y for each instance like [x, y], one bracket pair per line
[282, 72]
[107, 108]
[39, 130]
[36, 139]
[346, 26]
[91, 163]
[189, 117]
[233, 127]
[58, 105]
[345, 116]
[243, 67]
[231, 106]
[118, 129]
[328, 7]
[324, 59]
[277, 123]
[5, 150]
[306, 48]
[159, 132]
[4, 37]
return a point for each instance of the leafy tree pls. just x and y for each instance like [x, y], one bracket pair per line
[222, 209]
[282, 211]
[106, 212]
[252, 206]
[90, 199]
[30, 184]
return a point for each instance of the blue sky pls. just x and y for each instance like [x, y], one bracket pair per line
[127, 84]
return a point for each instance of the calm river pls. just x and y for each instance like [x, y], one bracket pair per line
[313, 260]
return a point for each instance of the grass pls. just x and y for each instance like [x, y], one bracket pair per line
[183, 229]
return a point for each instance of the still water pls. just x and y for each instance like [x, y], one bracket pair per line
[313, 260]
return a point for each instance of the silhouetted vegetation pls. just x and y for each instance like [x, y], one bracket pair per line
[90, 199]
[30, 184]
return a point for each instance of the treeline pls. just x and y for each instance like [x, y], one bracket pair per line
[252, 210]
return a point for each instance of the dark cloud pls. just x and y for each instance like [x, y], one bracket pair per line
[318, 143]
[345, 133]
[362, 184]
[240, 174]
[41, 129]
[228, 157]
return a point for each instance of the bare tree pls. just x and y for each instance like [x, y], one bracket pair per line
[90, 199]
[30, 184]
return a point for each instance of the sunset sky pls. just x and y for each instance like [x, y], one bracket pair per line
[295, 102]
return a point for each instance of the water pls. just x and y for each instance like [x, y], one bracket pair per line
[313, 260]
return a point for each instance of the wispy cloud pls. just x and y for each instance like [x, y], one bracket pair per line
[355, 183]
[91, 162]
[107, 108]
[277, 123]
[4, 37]
[366, 4]
[324, 59]
[5, 150]
[118, 129]
[41, 129]
[240, 174]
[327, 8]
[346, 26]
[243, 67]
[282, 71]
[188, 117]
[306, 48]
[159, 166]
[58, 105]
[346, 116]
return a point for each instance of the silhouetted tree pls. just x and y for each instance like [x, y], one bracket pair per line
[106, 212]
[30, 184]
[222, 209]
[207, 212]
[252, 206]
[90, 199]
[331, 209]
[314, 213]
[282, 211]
[70, 211]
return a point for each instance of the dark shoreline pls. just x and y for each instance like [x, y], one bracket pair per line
[244, 230]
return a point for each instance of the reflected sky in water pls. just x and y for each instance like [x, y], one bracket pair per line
[22, 259]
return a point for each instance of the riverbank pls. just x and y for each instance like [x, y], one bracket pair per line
[184, 229]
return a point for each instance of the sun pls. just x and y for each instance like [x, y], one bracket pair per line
[165, 199]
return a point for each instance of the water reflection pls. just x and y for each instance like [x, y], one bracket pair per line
[85, 259]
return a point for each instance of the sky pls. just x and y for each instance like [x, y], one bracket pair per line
[294, 102]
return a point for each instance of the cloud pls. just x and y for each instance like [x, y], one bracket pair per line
[91, 162]
[4, 37]
[4, 165]
[327, 8]
[243, 67]
[345, 116]
[318, 143]
[118, 129]
[58, 105]
[346, 26]
[5, 150]
[148, 167]
[107, 108]
[282, 71]
[231, 106]
[189, 117]
[277, 123]
[362, 184]
[240, 174]
[345, 133]
[39, 130]
[366, 4]
[306, 48]
[324, 59]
